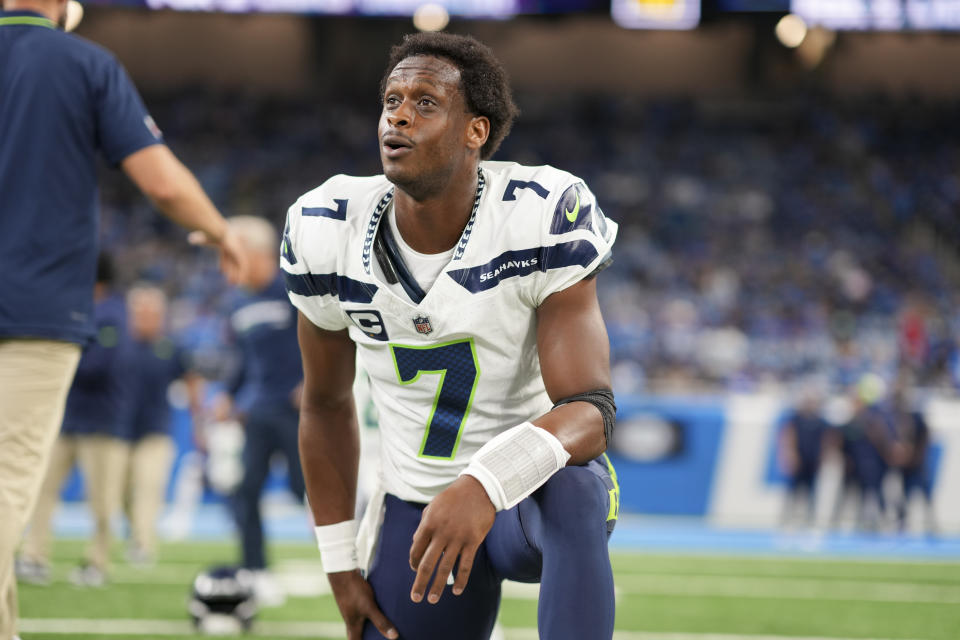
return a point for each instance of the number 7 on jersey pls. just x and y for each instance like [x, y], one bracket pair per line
[456, 364]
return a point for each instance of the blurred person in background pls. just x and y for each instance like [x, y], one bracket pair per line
[913, 335]
[803, 439]
[265, 390]
[95, 435]
[63, 101]
[866, 442]
[909, 453]
[154, 363]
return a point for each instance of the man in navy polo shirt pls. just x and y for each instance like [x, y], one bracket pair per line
[63, 100]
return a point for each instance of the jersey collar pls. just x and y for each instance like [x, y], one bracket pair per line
[385, 201]
[467, 230]
[25, 18]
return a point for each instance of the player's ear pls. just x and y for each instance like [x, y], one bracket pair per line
[478, 130]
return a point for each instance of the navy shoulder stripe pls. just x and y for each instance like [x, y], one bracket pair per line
[524, 262]
[340, 213]
[330, 284]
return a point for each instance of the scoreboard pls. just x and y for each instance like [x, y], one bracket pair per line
[752, 5]
[656, 14]
[880, 15]
[467, 8]
[865, 15]
[463, 8]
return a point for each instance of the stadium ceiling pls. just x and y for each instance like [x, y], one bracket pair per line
[841, 15]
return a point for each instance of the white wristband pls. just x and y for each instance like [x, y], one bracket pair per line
[516, 463]
[338, 546]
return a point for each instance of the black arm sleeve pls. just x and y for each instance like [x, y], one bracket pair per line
[602, 399]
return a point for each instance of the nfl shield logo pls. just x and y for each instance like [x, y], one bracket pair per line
[422, 323]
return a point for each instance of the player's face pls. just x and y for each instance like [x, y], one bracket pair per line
[424, 126]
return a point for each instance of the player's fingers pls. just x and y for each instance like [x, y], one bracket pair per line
[463, 569]
[424, 571]
[384, 626]
[355, 630]
[420, 541]
[444, 569]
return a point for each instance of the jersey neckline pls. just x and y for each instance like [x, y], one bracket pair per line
[406, 248]
[381, 210]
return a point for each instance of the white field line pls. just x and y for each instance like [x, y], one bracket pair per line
[747, 558]
[950, 577]
[668, 635]
[789, 589]
[671, 635]
[330, 631]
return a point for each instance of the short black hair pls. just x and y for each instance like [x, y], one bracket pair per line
[483, 79]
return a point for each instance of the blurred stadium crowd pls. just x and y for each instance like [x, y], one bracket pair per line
[762, 241]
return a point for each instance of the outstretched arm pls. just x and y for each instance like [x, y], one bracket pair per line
[329, 454]
[175, 191]
[574, 358]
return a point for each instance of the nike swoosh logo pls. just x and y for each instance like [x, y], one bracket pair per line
[572, 215]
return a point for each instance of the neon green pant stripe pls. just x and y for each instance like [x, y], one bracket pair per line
[615, 492]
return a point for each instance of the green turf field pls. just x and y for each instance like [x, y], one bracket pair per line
[661, 597]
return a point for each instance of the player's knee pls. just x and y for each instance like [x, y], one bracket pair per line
[574, 497]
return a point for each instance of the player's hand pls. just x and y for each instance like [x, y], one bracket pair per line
[355, 600]
[233, 255]
[453, 524]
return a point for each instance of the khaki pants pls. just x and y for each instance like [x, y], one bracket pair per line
[103, 462]
[149, 472]
[35, 376]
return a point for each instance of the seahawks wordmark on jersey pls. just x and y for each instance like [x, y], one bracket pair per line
[449, 373]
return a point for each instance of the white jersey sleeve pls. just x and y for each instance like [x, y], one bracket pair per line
[554, 212]
[317, 230]
[577, 240]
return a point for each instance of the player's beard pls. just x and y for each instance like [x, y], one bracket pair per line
[419, 186]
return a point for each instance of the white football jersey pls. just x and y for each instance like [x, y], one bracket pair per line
[449, 373]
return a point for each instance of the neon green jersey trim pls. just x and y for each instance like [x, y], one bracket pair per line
[30, 21]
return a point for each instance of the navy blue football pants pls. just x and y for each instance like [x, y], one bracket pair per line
[267, 430]
[557, 537]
